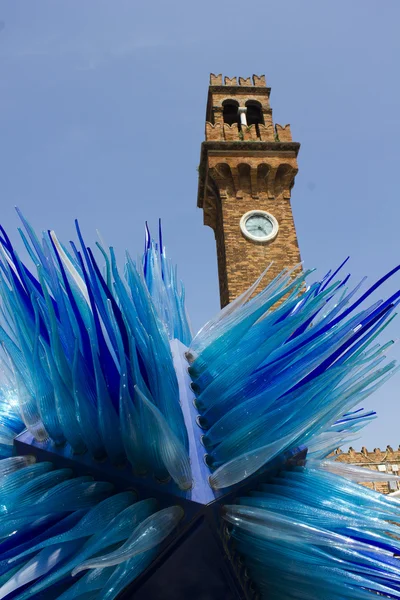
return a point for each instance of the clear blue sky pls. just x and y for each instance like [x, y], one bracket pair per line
[102, 108]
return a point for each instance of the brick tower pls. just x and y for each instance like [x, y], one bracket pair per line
[246, 173]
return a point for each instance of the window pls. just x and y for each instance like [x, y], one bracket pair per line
[254, 114]
[230, 113]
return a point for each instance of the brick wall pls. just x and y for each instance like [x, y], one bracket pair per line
[240, 192]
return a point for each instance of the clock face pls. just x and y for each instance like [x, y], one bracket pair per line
[259, 226]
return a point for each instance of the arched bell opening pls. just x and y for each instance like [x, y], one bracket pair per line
[254, 114]
[231, 112]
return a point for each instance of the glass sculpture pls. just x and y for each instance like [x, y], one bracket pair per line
[119, 429]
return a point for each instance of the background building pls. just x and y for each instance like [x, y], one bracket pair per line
[384, 461]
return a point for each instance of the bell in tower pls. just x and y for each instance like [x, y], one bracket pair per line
[247, 170]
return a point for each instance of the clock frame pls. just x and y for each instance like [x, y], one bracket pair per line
[265, 215]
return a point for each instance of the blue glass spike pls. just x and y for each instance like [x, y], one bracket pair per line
[16, 355]
[108, 267]
[44, 392]
[288, 307]
[72, 301]
[106, 359]
[75, 251]
[89, 586]
[146, 245]
[84, 390]
[93, 282]
[256, 533]
[88, 523]
[8, 248]
[368, 337]
[148, 235]
[312, 318]
[33, 237]
[340, 267]
[131, 432]
[25, 282]
[345, 280]
[38, 567]
[146, 536]
[125, 573]
[110, 297]
[24, 299]
[52, 279]
[65, 408]
[131, 316]
[98, 300]
[324, 328]
[383, 306]
[118, 530]
[173, 454]
[29, 409]
[54, 334]
[375, 320]
[160, 237]
[107, 416]
[35, 532]
[5, 240]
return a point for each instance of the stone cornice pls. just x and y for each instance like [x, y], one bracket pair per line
[240, 147]
[250, 146]
[240, 89]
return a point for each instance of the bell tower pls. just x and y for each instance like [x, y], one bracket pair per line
[246, 173]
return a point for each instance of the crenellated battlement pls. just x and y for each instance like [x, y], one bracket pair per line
[364, 455]
[283, 133]
[262, 132]
[255, 80]
[384, 461]
[238, 109]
